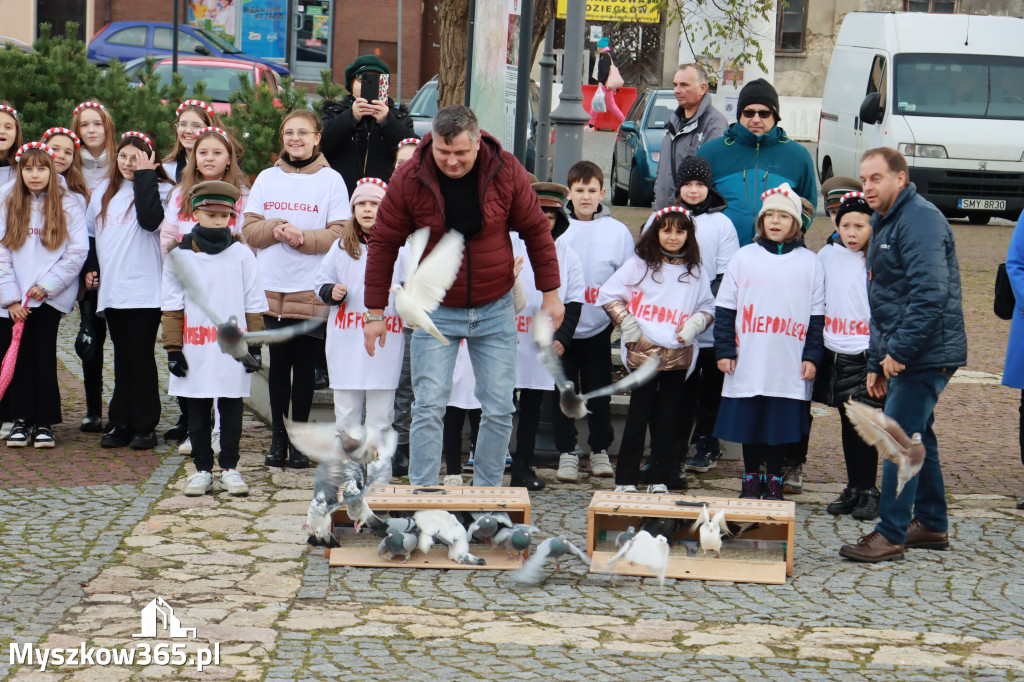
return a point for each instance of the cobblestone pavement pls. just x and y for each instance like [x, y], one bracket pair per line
[89, 537]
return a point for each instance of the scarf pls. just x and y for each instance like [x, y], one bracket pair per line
[210, 240]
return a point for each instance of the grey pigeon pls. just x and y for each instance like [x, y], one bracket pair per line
[552, 548]
[646, 550]
[398, 543]
[662, 526]
[572, 404]
[624, 537]
[485, 525]
[444, 527]
[230, 338]
[515, 539]
[889, 438]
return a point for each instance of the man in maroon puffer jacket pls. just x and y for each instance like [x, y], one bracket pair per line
[460, 179]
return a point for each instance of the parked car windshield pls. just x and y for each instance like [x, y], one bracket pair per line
[660, 111]
[425, 102]
[220, 81]
[962, 86]
[221, 44]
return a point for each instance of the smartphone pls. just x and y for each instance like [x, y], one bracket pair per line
[375, 86]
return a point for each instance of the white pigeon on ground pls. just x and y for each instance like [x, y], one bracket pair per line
[427, 281]
[572, 404]
[444, 527]
[552, 548]
[711, 532]
[230, 338]
[646, 550]
[889, 438]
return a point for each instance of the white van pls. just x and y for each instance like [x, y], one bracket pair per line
[946, 90]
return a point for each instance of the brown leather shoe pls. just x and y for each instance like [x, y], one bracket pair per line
[919, 537]
[872, 548]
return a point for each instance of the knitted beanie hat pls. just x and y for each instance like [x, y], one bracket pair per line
[853, 202]
[368, 189]
[758, 91]
[782, 198]
[694, 168]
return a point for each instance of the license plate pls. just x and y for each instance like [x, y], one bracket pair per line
[982, 204]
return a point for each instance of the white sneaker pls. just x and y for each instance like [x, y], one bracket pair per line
[5, 430]
[657, 489]
[231, 481]
[215, 441]
[625, 488]
[185, 449]
[600, 465]
[453, 481]
[568, 468]
[199, 483]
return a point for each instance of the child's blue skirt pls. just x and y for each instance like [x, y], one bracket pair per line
[763, 419]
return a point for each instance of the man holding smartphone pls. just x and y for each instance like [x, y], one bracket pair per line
[362, 131]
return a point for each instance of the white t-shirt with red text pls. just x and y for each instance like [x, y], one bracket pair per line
[602, 245]
[847, 313]
[774, 297]
[349, 365]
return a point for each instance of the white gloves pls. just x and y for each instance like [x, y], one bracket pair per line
[692, 327]
[630, 329]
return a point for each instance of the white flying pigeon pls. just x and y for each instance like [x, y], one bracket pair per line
[230, 338]
[702, 518]
[552, 548]
[427, 282]
[441, 526]
[711, 532]
[574, 405]
[646, 550]
[889, 438]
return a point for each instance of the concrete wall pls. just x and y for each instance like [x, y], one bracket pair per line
[19, 20]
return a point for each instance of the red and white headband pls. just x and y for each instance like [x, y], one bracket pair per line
[87, 105]
[141, 136]
[671, 209]
[372, 181]
[213, 129]
[57, 130]
[851, 195]
[7, 109]
[409, 140]
[774, 190]
[33, 145]
[193, 103]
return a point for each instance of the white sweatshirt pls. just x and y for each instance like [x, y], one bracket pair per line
[847, 313]
[602, 245]
[94, 169]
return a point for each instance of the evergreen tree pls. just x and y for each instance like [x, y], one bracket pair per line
[256, 118]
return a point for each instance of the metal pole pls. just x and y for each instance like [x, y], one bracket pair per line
[469, 52]
[569, 116]
[542, 167]
[174, 39]
[398, 94]
[522, 122]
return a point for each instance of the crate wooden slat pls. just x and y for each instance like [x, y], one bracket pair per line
[610, 511]
[409, 498]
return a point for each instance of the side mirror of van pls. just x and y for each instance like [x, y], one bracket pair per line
[870, 112]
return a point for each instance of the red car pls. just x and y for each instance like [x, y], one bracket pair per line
[220, 74]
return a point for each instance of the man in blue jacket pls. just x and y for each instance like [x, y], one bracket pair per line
[755, 155]
[917, 342]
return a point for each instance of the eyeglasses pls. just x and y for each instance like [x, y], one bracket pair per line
[297, 133]
[182, 125]
[763, 114]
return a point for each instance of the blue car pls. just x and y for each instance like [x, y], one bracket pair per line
[638, 146]
[128, 40]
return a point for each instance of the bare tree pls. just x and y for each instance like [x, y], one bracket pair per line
[722, 24]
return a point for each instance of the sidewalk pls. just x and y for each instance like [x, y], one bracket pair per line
[89, 537]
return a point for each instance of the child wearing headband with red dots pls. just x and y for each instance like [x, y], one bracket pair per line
[661, 300]
[43, 243]
[66, 145]
[10, 140]
[192, 115]
[769, 317]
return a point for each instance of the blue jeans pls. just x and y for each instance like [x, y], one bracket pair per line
[490, 334]
[911, 402]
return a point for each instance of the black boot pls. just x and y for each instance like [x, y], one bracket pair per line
[867, 505]
[296, 460]
[400, 463]
[525, 477]
[846, 502]
[93, 422]
[179, 431]
[278, 448]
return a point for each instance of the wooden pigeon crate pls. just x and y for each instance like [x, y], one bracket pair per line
[361, 549]
[610, 513]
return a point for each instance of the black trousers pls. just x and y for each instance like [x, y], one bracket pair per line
[403, 394]
[200, 425]
[136, 400]
[774, 457]
[33, 394]
[588, 364]
[709, 379]
[454, 419]
[861, 458]
[530, 402]
[668, 402]
[290, 380]
[92, 371]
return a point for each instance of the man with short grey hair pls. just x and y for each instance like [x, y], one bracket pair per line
[694, 122]
[459, 178]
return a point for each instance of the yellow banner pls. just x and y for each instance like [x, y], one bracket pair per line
[618, 10]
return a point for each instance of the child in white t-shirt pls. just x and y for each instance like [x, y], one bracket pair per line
[769, 313]
[356, 378]
[843, 373]
[661, 300]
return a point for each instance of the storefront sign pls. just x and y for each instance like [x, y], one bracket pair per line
[263, 28]
[619, 10]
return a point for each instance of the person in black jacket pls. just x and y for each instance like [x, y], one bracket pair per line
[361, 136]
